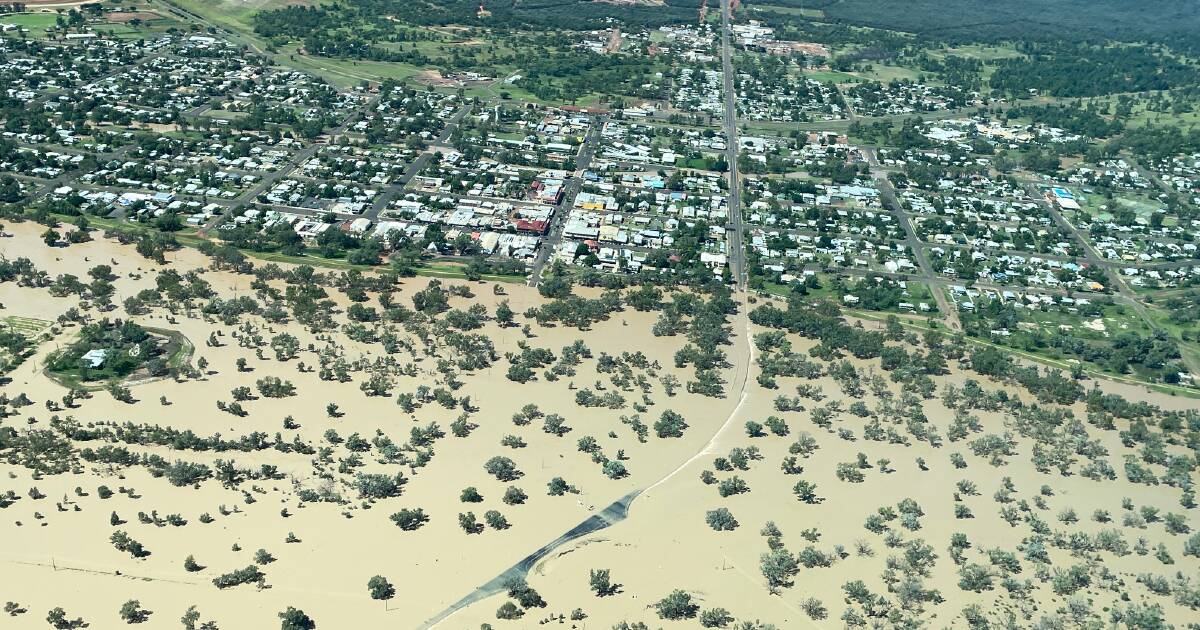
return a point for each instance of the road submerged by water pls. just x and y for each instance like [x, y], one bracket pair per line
[611, 515]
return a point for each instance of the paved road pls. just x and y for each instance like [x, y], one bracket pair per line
[300, 157]
[572, 187]
[888, 194]
[1118, 282]
[733, 232]
[396, 188]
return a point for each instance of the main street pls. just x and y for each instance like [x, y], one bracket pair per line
[571, 189]
[397, 187]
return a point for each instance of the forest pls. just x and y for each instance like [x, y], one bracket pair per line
[1070, 70]
[1161, 21]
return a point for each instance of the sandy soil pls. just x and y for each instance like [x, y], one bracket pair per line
[129, 16]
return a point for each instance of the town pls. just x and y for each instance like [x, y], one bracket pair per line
[752, 171]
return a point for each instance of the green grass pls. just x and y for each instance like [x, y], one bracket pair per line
[128, 31]
[979, 51]
[1116, 319]
[1142, 117]
[187, 237]
[834, 76]
[770, 8]
[1174, 390]
[1142, 205]
[35, 22]
[884, 74]
[179, 352]
[433, 270]
[1162, 319]
[29, 327]
[224, 114]
[1116, 314]
[236, 15]
[345, 72]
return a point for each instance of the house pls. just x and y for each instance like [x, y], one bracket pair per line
[95, 358]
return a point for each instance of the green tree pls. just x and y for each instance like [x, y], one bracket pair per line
[600, 583]
[380, 588]
[295, 619]
[131, 612]
[779, 566]
[677, 605]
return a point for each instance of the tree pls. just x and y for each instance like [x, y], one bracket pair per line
[558, 487]
[975, 578]
[378, 486]
[508, 611]
[814, 608]
[495, 520]
[721, 520]
[599, 582]
[131, 612]
[715, 618]
[514, 496]
[50, 237]
[779, 566]
[670, 424]
[263, 557]
[189, 618]
[502, 468]
[380, 588]
[250, 573]
[504, 314]
[409, 520]
[468, 523]
[57, 618]
[190, 565]
[806, 491]
[677, 605]
[295, 619]
[123, 542]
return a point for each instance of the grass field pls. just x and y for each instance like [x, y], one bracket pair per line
[236, 15]
[884, 74]
[979, 51]
[1142, 117]
[771, 8]
[1103, 208]
[831, 75]
[433, 270]
[29, 327]
[345, 72]
[35, 22]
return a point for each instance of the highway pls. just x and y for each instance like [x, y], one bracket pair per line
[733, 233]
